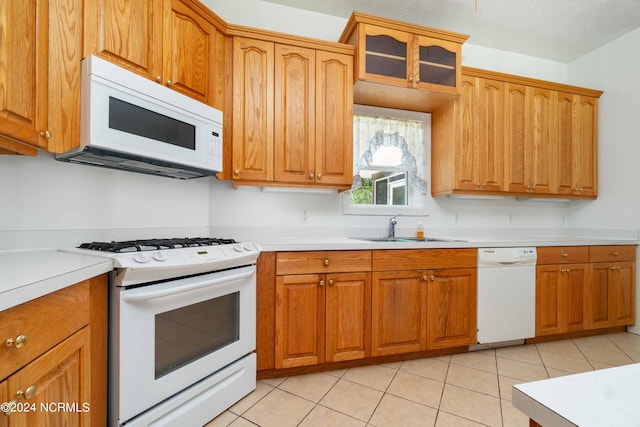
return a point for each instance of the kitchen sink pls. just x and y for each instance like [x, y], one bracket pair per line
[405, 239]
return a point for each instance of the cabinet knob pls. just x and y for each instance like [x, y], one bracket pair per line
[45, 133]
[615, 268]
[326, 262]
[331, 282]
[169, 82]
[565, 270]
[28, 393]
[319, 176]
[159, 79]
[418, 80]
[411, 79]
[425, 277]
[432, 277]
[236, 172]
[311, 176]
[564, 255]
[321, 282]
[19, 342]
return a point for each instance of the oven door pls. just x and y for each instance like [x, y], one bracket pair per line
[168, 336]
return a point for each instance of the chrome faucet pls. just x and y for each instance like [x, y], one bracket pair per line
[392, 226]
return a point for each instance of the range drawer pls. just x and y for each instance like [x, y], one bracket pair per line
[423, 259]
[45, 322]
[322, 262]
[612, 253]
[562, 254]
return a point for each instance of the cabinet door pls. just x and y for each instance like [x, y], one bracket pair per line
[623, 290]
[540, 145]
[516, 137]
[564, 143]
[585, 147]
[253, 87]
[348, 316]
[575, 281]
[294, 133]
[398, 312]
[599, 297]
[189, 52]
[467, 159]
[549, 310]
[491, 136]
[127, 33]
[385, 55]
[299, 320]
[60, 375]
[437, 64]
[334, 119]
[451, 308]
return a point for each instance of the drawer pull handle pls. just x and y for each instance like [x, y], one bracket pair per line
[565, 255]
[326, 262]
[19, 342]
[615, 253]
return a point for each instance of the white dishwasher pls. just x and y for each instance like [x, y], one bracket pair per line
[506, 294]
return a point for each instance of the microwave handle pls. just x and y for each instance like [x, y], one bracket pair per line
[144, 296]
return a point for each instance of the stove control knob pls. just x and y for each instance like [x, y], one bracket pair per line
[141, 258]
[159, 256]
[247, 246]
[238, 248]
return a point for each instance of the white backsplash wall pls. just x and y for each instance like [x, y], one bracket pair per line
[68, 204]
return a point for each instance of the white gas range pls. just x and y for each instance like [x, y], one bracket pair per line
[182, 328]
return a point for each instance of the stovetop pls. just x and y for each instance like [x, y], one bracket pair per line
[155, 244]
[147, 260]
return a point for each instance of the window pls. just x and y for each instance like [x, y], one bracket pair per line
[390, 159]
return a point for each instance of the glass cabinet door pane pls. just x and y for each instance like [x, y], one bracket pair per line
[386, 56]
[437, 66]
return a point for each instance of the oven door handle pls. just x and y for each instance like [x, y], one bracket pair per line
[148, 295]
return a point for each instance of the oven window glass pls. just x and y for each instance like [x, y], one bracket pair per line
[130, 118]
[189, 333]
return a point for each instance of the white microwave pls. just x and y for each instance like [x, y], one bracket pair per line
[131, 123]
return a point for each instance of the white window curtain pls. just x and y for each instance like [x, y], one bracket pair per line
[371, 134]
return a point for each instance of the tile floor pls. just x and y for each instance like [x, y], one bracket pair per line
[470, 389]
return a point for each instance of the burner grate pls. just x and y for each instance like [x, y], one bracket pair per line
[154, 244]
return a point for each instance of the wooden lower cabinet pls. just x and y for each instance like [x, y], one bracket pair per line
[560, 298]
[322, 318]
[63, 360]
[611, 297]
[399, 312]
[451, 308]
[60, 376]
[584, 288]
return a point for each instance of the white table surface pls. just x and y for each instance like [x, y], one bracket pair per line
[603, 398]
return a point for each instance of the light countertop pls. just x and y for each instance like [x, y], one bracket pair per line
[607, 397]
[29, 274]
[347, 243]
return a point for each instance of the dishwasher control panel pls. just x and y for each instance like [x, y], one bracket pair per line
[506, 256]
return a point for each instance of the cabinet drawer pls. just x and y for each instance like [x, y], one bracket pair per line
[562, 254]
[612, 253]
[45, 321]
[423, 259]
[322, 262]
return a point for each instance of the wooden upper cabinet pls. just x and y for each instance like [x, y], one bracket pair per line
[516, 136]
[253, 112]
[40, 48]
[404, 66]
[172, 42]
[292, 112]
[334, 119]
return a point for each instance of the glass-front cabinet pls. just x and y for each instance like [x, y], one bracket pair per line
[402, 65]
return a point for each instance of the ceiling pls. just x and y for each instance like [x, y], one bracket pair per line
[559, 30]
